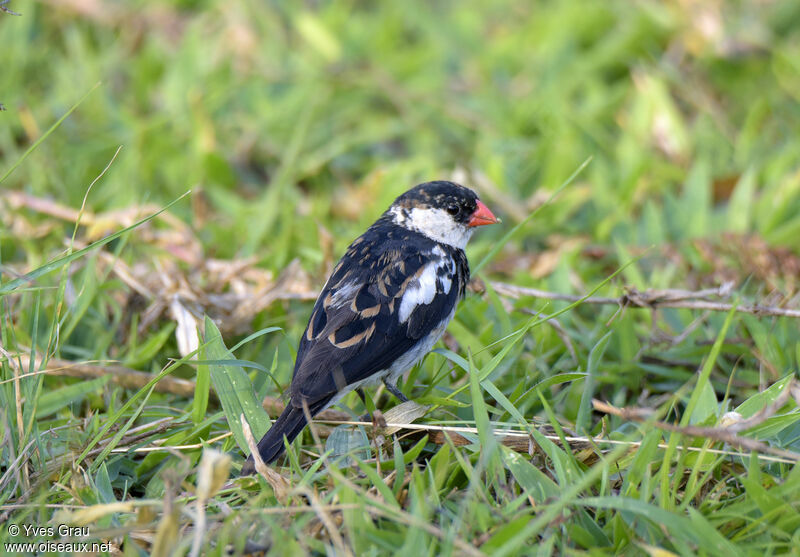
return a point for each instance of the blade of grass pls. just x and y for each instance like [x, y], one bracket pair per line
[696, 528]
[585, 408]
[46, 134]
[254, 336]
[118, 435]
[508, 235]
[128, 403]
[705, 373]
[479, 409]
[52, 401]
[234, 389]
[496, 394]
[517, 335]
[569, 494]
[12, 285]
[202, 389]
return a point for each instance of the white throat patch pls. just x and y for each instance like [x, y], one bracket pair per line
[436, 224]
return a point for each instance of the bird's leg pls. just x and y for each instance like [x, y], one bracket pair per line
[395, 391]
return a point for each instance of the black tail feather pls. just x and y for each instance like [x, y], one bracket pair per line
[289, 424]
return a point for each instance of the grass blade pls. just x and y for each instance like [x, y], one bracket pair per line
[12, 285]
[46, 134]
[705, 373]
[234, 389]
[510, 234]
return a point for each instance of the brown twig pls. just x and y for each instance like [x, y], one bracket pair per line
[792, 390]
[133, 379]
[725, 433]
[121, 375]
[652, 299]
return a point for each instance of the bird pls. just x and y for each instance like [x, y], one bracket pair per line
[386, 303]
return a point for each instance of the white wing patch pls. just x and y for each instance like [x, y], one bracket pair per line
[446, 283]
[423, 290]
[447, 277]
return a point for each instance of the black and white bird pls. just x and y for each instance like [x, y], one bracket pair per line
[387, 302]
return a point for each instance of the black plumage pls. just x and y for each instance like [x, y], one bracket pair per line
[386, 303]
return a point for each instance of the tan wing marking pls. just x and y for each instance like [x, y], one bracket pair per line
[370, 312]
[402, 290]
[366, 312]
[382, 286]
[352, 340]
[310, 329]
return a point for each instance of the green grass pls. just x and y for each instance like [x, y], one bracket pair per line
[294, 125]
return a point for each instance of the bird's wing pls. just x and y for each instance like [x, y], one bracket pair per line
[371, 313]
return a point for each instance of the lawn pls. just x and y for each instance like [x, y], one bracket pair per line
[177, 180]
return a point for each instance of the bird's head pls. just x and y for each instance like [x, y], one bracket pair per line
[443, 211]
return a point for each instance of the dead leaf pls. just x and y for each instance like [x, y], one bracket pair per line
[405, 413]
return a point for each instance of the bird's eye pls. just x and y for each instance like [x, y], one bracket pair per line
[453, 209]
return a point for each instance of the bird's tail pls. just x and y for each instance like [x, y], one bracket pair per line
[289, 424]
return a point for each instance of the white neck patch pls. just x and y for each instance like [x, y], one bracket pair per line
[436, 224]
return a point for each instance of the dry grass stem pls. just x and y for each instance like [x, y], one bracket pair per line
[725, 434]
[330, 525]
[652, 299]
[280, 485]
[519, 441]
[120, 375]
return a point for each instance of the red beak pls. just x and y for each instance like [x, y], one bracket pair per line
[482, 216]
